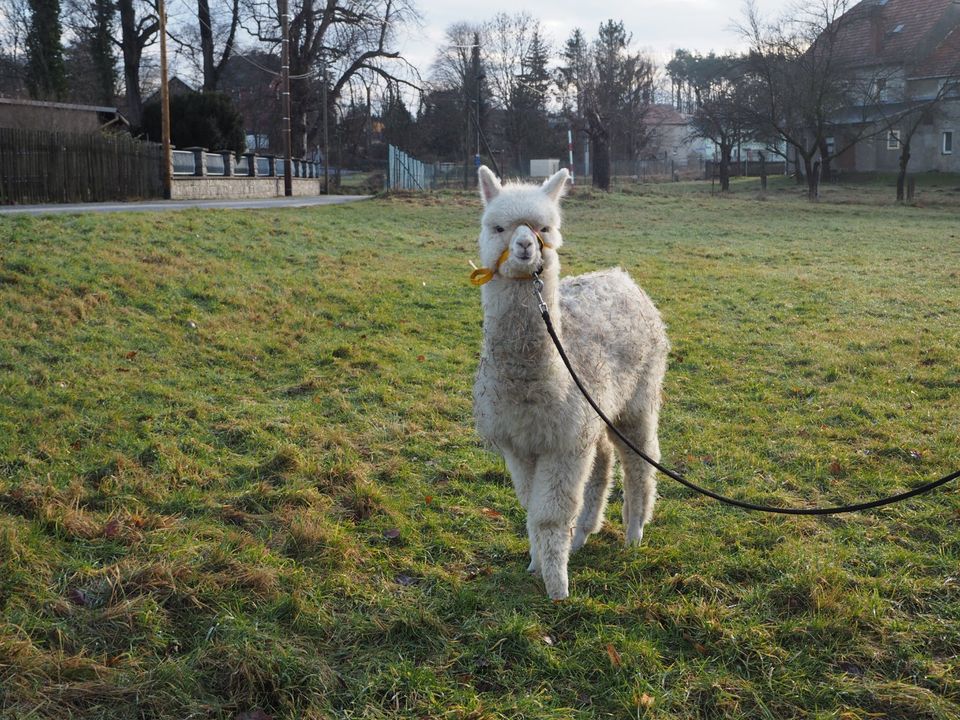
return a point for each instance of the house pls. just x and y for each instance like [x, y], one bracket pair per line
[59, 117]
[908, 52]
[670, 137]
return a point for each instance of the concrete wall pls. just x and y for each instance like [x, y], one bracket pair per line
[195, 188]
[926, 147]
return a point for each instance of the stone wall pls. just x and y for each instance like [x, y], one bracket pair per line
[239, 187]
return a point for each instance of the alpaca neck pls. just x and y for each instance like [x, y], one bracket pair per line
[515, 338]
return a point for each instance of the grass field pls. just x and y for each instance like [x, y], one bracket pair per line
[238, 477]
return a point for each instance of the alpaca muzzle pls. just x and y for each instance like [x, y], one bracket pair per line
[481, 276]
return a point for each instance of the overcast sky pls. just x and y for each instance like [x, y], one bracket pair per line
[658, 26]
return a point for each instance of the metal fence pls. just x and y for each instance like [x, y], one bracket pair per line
[39, 166]
[405, 172]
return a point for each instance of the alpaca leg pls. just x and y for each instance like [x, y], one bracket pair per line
[639, 479]
[521, 473]
[554, 505]
[595, 494]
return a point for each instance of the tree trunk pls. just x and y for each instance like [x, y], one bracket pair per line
[825, 171]
[601, 161]
[101, 48]
[763, 173]
[132, 43]
[600, 149]
[812, 171]
[206, 45]
[725, 151]
[902, 174]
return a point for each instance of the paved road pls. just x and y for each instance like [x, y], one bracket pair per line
[154, 205]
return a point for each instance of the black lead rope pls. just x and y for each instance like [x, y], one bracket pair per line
[538, 286]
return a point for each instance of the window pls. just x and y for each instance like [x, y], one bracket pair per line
[893, 140]
[947, 147]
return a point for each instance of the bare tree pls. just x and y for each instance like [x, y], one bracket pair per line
[516, 57]
[721, 88]
[354, 40]
[205, 35]
[918, 113]
[606, 92]
[809, 92]
[458, 68]
[138, 29]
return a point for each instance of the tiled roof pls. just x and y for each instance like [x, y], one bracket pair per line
[922, 34]
[664, 115]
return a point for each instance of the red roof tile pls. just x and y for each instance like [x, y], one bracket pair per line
[918, 33]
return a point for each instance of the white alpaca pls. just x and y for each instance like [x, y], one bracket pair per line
[559, 453]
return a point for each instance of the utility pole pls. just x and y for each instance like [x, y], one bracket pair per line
[285, 96]
[165, 104]
[326, 136]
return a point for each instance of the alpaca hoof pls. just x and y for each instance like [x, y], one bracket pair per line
[634, 538]
[533, 568]
[579, 540]
[561, 592]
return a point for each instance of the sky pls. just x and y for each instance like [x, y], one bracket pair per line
[658, 26]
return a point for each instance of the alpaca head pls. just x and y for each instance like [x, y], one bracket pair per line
[513, 216]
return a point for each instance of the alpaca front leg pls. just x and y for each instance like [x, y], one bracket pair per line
[521, 474]
[554, 505]
[595, 494]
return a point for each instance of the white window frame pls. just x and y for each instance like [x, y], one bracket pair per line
[893, 140]
[943, 142]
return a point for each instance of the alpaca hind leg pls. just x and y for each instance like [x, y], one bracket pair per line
[639, 479]
[595, 494]
[555, 502]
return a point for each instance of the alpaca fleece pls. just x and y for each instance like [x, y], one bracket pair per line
[559, 454]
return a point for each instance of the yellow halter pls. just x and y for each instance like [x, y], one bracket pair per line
[481, 276]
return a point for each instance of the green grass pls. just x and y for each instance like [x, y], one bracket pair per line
[237, 469]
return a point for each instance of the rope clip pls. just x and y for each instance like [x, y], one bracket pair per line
[538, 291]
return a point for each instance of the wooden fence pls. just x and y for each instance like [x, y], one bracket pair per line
[38, 166]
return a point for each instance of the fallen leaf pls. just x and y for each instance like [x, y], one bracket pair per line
[421, 358]
[257, 714]
[77, 596]
[428, 499]
[645, 701]
[490, 513]
[851, 669]
[836, 469]
[548, 640]
[614, 656]
[407, 580]
[391, 534]
[131, 355]
[112, 529]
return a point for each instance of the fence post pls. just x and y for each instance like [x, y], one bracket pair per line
[271, 165]
[199, 165]
[251, 164]
[229, 164]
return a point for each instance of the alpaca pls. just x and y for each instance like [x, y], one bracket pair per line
[559, 454]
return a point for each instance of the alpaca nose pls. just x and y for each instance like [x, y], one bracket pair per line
[525, 244]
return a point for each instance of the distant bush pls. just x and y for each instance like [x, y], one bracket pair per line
[207, 120]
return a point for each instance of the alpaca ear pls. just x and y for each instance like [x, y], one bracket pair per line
[489, 185]
[555, 186]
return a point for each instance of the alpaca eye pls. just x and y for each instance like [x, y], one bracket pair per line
[498, 228]
[544, 229]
